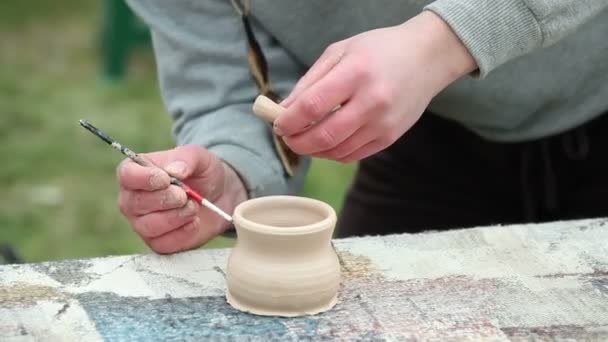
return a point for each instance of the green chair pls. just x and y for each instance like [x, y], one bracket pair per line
[121, 32]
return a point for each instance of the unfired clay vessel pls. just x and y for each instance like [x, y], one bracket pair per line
[283, 263]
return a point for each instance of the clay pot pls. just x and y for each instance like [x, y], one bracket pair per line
[283, 263]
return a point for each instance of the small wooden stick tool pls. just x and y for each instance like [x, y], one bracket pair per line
[266, 109]
[269, 111]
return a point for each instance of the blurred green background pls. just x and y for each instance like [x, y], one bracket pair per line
[57, 181]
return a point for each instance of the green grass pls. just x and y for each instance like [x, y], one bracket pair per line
[58, 185]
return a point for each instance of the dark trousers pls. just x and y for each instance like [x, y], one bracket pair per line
[440, 176]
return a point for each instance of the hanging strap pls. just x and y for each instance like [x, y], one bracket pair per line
[258, 68]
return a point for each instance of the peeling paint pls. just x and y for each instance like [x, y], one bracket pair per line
[67, 272]
[557, 332]
[537, 282]
[601, 285]
[63, 310]
[355, 266]
[24, 294]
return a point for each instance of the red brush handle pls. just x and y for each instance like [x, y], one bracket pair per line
[192, 194]
[200, 199]
[189, 191]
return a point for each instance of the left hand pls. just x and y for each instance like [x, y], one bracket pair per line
[383, 80]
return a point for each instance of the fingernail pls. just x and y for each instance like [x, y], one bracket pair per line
[158, 179]
[177, 168]
[278, 131]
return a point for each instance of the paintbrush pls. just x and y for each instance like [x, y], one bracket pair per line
[145, 162]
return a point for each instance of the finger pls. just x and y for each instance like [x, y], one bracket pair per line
[188, 236]
[320, 99]
[365, 151]
[137, 203]
[333, 130]
[132, 176]
[328, 59]
[360, 138]
[201, 168]
[161, 222]
[185, 161]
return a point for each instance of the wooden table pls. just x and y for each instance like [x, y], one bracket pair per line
[524, 282]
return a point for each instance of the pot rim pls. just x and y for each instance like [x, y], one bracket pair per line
[241, 222]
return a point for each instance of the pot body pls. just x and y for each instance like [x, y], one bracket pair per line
[283, 263]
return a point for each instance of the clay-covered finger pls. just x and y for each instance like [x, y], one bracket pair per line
[183, 238]
[137, 203]
[132, 176]
[162, 222]
[205, 171]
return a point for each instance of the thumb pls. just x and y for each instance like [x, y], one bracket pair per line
[189, 161]
[178, 169]
[196, 165]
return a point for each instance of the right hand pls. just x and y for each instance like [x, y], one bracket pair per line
[366, 91]
[161, 214]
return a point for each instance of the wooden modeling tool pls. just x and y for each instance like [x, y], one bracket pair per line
[145, 162]
[269, 111]
[266, 109]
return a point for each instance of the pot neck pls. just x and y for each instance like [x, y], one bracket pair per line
[284, 244]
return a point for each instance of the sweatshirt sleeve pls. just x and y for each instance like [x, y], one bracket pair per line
[200, 49]
[497, 31]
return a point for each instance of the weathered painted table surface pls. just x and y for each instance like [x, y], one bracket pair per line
[535, 282]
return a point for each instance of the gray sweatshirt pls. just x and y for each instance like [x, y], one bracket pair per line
[543, 67]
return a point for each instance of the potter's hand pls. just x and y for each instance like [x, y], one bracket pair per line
[161, 213]
[383, 80]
